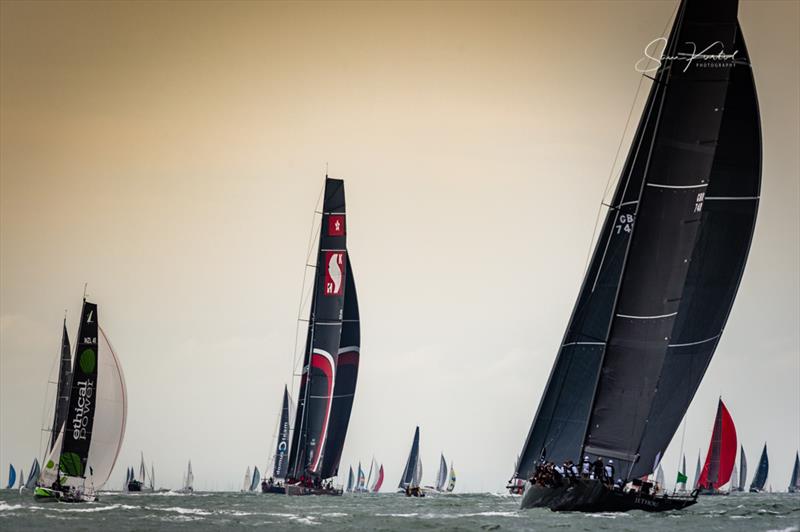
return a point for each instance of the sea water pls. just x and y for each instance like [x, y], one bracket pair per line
[483, 511]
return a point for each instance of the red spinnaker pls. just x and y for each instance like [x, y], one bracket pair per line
[721, 452]
[379, 482]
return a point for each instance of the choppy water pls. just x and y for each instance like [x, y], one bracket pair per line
[214, 511]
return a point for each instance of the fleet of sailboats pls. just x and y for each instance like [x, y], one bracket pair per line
[650, 313]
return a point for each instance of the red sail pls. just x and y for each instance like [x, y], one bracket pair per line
[379, 482]
[721, 452]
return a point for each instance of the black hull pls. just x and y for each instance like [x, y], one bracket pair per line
[594, 496]
[279, 490]
[134, 485]
[298, 490]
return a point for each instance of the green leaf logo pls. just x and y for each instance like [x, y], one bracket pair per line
[71, 464]
[88, 361]
[50, 464]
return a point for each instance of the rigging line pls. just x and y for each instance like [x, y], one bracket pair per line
[303, 286]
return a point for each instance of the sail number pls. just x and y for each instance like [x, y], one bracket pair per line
[624, 223]
[698, 206]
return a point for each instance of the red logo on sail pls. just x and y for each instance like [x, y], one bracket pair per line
[336, 225]
[334, 273]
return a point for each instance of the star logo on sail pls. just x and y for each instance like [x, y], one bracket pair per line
[334, 273]
[336, 225]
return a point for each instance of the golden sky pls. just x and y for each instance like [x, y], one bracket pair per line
[170, 155]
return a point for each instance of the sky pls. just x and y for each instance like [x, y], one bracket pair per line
[171, 155]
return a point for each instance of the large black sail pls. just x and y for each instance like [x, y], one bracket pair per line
[82, 399]
[322, 345]
[760, 480]
[64, 386]
[281, 462]
[411, 464]
[346, 377]
[794, 480]
[668, 261]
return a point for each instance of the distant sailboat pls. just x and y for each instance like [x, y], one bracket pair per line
[794, 480]
[697, 472]
[663, 276]
[441, 476]
[330, 359]
[451, 481]
[246, 481]
[21, 479]
[188, 480]
[742, 469]
[409, 481]
[256, 480]
[721, 453]
[760, 480]
[734, 479]
[83, 456]
[680, 484]
[351, 482]
[139, 484]
[361, 482]
[33, 476]
[280, 458]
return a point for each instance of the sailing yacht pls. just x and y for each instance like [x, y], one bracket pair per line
[760, 479]
[412, 473]
[721, 455]
[188, 480]
[90, 434]
[330, 359]
[662, 278]
[280, 458]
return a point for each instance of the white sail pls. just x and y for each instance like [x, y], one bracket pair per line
[415, 482]
[189, 482]
[441, 478]
[660, 481]
[152, 477]
[734, 484]
[246, 483]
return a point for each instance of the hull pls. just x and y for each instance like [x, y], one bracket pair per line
[711, 492]
[134, 485]
[298, 490]
[593, 496]
[280, 490]
[50, 495]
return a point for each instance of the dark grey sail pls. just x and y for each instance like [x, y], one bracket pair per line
[407, 479]
[794, 480]
[760, 480]
[667, 264]
[347, 361]
[63, 389]
[322, 345]
[742, 469]
[281, 462]
[82, 399]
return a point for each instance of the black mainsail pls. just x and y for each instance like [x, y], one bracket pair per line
[760, 479]
[794, 480]
[742, 469]
[321, 420]
[63, 390]
[668, 261]
[82, 397]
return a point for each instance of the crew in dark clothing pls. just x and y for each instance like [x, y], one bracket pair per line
[598, 469]
[610, 471]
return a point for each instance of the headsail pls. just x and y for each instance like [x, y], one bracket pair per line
[743, 469]
[721, 451]
[667, 264]
[760, 479]
[361, 483]
[451, 482]
[350, 480]
[697, 472]
[256, 480]
[33, 475]
[411, 463]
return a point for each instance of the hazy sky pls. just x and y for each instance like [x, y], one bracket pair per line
[171, 154]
